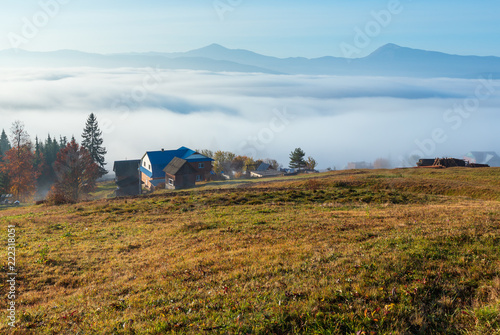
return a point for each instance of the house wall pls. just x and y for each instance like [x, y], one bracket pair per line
[180, 181]
[147, 181]
[146, 163]
[204, 172]
[167, 185]
[189, 180]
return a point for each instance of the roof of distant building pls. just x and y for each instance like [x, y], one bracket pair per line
[126, 168]
[160, 159]
[176, 164]
[263, 167]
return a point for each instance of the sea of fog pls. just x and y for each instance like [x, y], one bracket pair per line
[336, 120]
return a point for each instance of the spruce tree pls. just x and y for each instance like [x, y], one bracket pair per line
[4, 143]
[39, 161]
[92, 141]
[297, 159]
[4, 147]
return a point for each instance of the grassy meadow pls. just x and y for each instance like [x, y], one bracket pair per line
[409, 251]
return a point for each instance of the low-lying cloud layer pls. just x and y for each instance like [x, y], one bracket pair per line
[334, 119]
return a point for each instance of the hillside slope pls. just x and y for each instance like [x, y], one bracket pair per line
[402, 251]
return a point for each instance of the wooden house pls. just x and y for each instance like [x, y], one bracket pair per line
[153, 164]
[179, 174]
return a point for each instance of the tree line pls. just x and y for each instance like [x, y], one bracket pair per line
[229, 162]
[60, 169]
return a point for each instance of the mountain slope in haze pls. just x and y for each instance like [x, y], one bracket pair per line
[407, 61]
[389, 60]
[70, 58]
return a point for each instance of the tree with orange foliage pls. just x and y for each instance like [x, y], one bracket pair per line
[18, 164]
[76, 174]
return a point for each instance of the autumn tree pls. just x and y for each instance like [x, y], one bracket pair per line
[18, 164]
[222, 161]
[238, 163]
[92, 141]
[206, 152]
[76, 174]
[4, 181]
[311, 163]
[297, 159]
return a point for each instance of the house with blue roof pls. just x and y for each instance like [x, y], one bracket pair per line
[153, 164]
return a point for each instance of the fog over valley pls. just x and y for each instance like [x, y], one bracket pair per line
[335, 119]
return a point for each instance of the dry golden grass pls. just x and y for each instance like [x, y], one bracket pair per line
[379, 252]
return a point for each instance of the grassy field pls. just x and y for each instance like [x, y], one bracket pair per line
[105, 189]
[411, 251]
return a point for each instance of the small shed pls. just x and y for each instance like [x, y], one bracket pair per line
[179, 174]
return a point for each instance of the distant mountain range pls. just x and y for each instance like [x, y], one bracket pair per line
[389, 60]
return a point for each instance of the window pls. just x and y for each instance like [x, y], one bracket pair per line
[170, 181]
[201, 165]
[198, 178]
[144, 163]
[149, 166]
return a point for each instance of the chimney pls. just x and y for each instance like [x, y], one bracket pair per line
[162, 149]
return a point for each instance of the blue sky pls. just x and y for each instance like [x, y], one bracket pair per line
[278, 28]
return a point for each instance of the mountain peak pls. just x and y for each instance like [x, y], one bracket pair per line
[391, 46]
[391, 50]
[214, 46]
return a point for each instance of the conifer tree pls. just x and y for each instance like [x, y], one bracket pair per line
[39, 161]
[4, 143]
[92, 141]
[297, 159]
[4, 147]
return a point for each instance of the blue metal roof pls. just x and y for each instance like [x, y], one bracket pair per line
[263, 167]
[146, 172]
[198, 158]
[160, 159]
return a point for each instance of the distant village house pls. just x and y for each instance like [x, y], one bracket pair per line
[185, 168]
[265, 170]
[153, 164]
